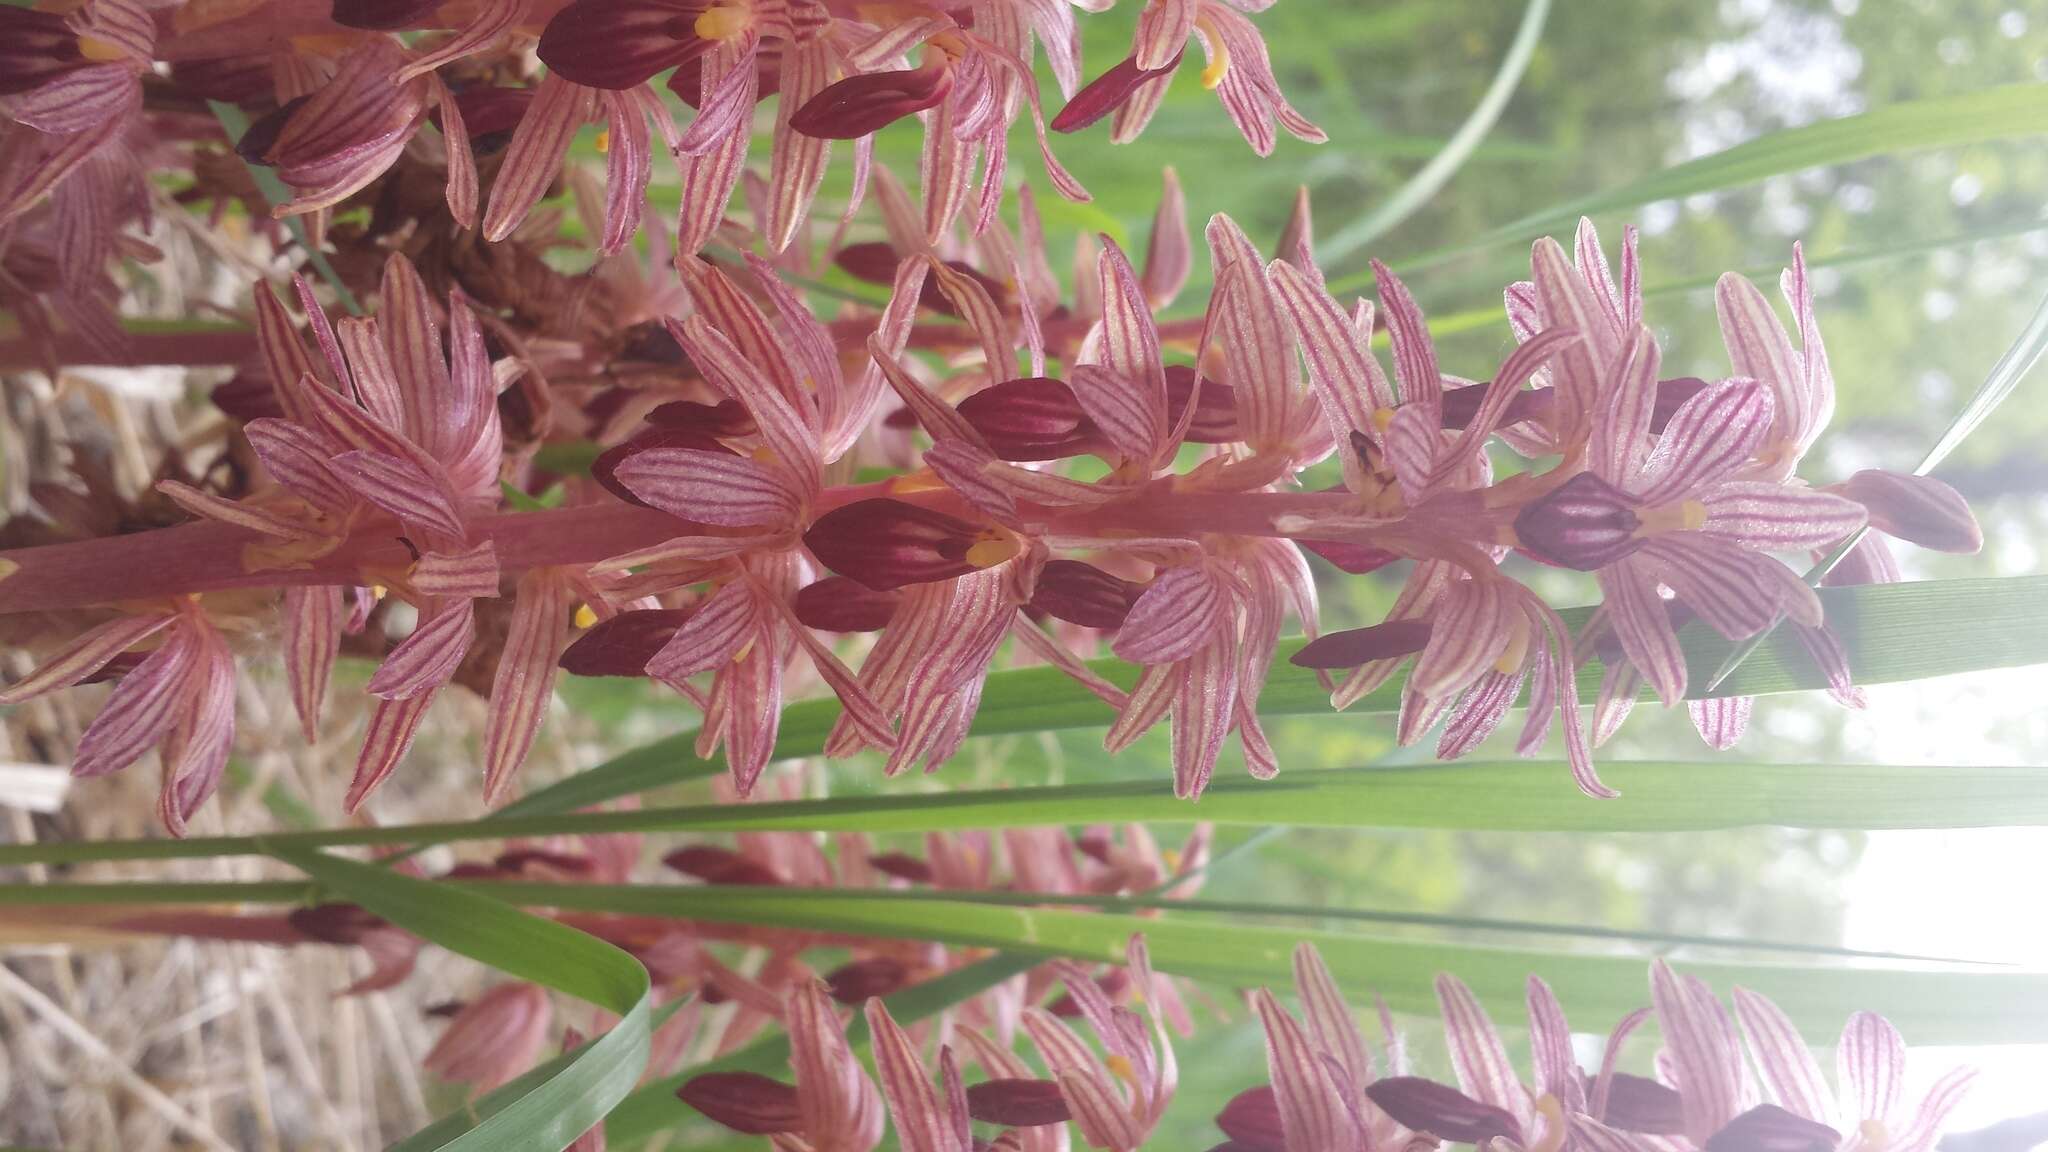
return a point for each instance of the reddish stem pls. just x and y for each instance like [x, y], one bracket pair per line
[209, 557]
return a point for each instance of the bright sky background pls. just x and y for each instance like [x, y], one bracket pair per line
[1973, 893]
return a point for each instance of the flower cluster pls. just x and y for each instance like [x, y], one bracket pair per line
[388, 474]
[1332, 1091]
[1674, 493]
[1328, 1092]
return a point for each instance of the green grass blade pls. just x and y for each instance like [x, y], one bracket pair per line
[1431, 178]
[1895, 632]
[531, 895]
[1931, 1005]
[563, 1106]
[1991, 114]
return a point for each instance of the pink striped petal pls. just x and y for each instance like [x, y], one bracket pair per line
[1330, 1021]
[1870, 1064]
[1311, 1115]
[393, 724]
[142, 707]
[629, 165]
[84, 656]
[1591, 263]
[465, 573]
[724, 623]
[525, 679]
[1563, 300]
[797, 164]
[1928, 1120]
[837, 1102]
[1258, 352]
[491, 19]
[312, 639]
[79, 100]
[709, 178]
[921, 1125]
[375, 377]
[1832, 659]
[195, 753]
[239, 513]
[1130, 345]
[845, 411]
[1735, 591]
[297, 458]
[786, 429]
[712, 487]
[1759, 349]
[1471, 631]
[1703, 1047]
[1340, 364]
[752, 687]
[1183, 610]
[1550, 1049]
[1707, 439]
[462, 189]
[402, 488]
[1168, 256]
[1481, 1060]
[1621, 440]
[1629, 594]
[977, 309]
[1205, 700]
[534, 157]
[1721, 720]
[1778, 517]
[1789, 1071]
[1415, 365]
[425, 660]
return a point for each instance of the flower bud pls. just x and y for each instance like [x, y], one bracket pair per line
[1107, 92]
[876, 976]
[745, 1102]
[720, 866]
[622, 645]
[1639, 1104]
[617, 44]
[35, 48]
[1084, 594]
[1442, 1111]
[886, 544]
[1034, 418]
[605, 469]
[380, 15]
[1356, 646]
[1357, 559]
[1769, 1128]
[1215, 418]
[1017, 1103]
[860, 105]
[902, 867]
[837, 604]
[1586, 524]
[1252, 1118]
[1917, 509]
